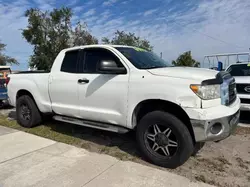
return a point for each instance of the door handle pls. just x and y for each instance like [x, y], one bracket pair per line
[84, 80]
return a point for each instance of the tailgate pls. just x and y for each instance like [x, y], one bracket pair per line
[3, 89]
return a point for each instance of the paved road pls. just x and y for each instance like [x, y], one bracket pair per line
[29, 160]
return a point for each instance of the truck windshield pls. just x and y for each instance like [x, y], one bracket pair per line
[239, 70]
[142, 59]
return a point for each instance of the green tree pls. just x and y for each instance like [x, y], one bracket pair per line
[122, 38]
[81, 36]
[50, 32]
[186, 59]
[4, 59]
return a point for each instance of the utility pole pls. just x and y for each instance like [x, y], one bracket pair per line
[161, 55]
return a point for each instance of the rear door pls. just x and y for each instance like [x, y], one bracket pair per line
[63, 86]
[102, 97]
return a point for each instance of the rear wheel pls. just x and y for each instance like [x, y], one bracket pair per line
[164, 139]
[28, 114]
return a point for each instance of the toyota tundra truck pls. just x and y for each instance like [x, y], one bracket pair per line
[116, 88]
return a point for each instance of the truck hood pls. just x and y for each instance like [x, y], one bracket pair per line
[185, 73]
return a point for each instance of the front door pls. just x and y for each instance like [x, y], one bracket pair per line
[102, 97]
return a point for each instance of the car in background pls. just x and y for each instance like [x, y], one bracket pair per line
[241, 73]
[4, 72]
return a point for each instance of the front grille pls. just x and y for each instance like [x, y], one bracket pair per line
[246, 101]
[232, 92]
[241, 88]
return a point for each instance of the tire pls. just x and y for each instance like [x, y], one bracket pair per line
[197, 147]
[26, 105]
[1, 104]
[179, 141]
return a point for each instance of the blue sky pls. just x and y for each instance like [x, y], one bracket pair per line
[172, 26]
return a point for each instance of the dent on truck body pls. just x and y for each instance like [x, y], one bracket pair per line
[189, 101]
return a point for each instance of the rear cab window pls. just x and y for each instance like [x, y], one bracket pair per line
[69, 64]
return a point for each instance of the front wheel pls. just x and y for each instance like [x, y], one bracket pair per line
[164, 139]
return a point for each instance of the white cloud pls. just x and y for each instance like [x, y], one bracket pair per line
[222, 20]
[89, 3]
[77, 9]
[109, 2]
[190, 29]
[172, 31]
[73, 2]
[149, 12]
[45, 4]
[103, 17]
[125, 2]
[90, 12]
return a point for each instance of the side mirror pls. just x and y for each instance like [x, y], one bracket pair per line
[110, 67]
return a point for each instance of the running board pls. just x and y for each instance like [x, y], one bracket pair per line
[91, 124]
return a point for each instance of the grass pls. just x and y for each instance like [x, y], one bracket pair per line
[117, 145]
[45, 131]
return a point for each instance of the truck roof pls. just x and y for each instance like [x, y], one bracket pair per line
[240, 63]
[5, 67]
[96, 45]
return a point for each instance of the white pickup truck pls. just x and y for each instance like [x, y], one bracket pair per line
[120, 88]
[241, 73]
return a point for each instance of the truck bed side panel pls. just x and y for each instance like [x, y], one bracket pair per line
[36, 84]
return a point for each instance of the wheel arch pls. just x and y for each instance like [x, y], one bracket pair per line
[150, 105]
[23, 92]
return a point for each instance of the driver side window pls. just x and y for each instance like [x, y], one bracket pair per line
[93, 56]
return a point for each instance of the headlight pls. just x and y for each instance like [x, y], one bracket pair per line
[206, 92]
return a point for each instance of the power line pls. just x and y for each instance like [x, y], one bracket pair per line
[205, 34]
[210, 36]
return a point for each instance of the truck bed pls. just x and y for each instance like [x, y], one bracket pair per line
[38, 82]
[31, 72]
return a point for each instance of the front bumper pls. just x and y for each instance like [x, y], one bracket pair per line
[202, 128]
[225, 117]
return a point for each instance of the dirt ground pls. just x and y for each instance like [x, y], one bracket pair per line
[226, 163]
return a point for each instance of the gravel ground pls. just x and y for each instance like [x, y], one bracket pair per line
[226, 163]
